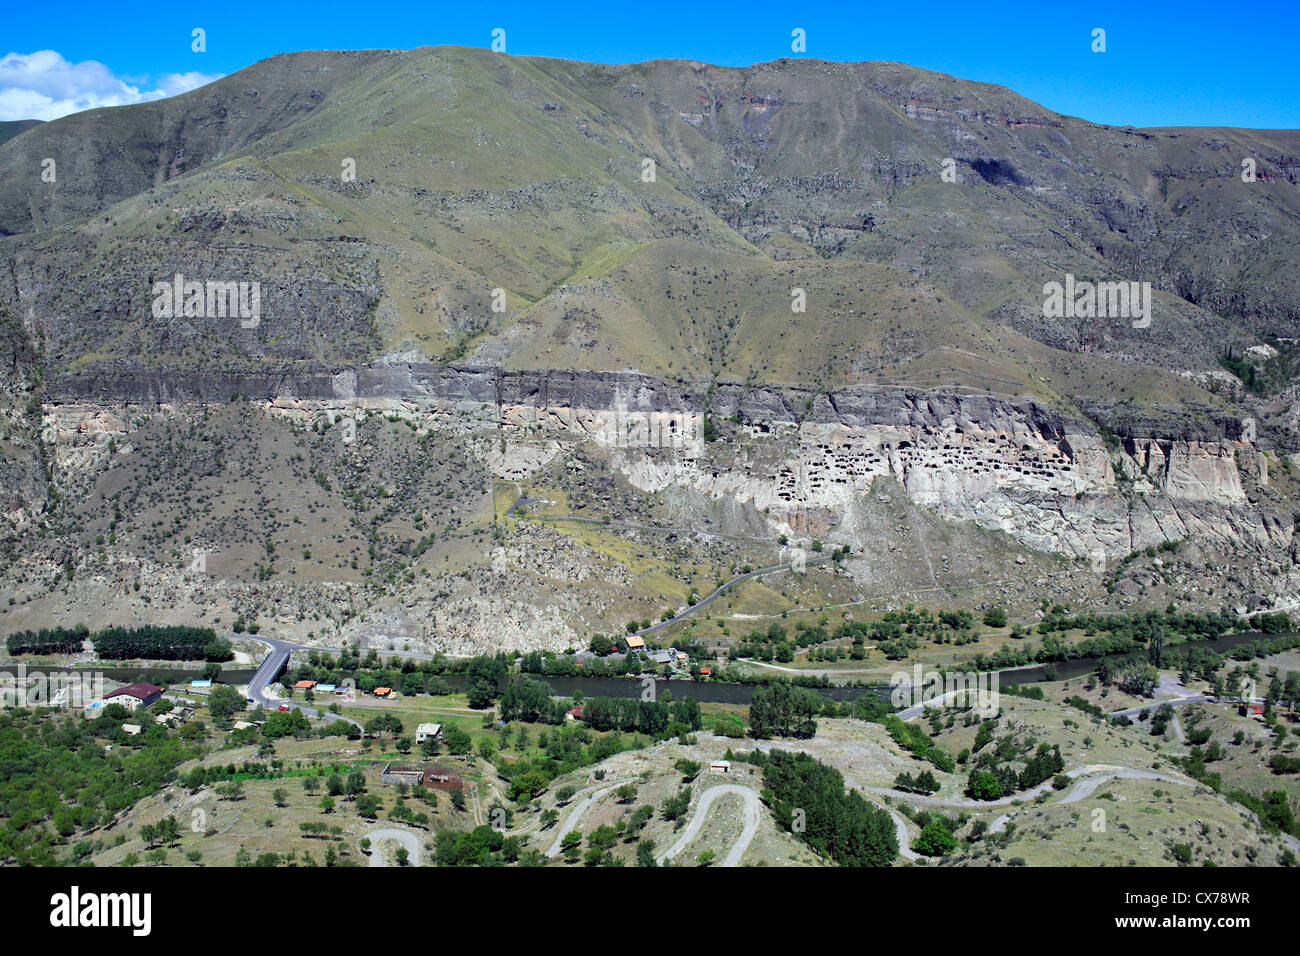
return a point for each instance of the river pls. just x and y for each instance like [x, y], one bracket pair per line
[709, 692]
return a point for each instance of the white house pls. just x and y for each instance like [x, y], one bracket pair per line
[133, 696]
[425, 732]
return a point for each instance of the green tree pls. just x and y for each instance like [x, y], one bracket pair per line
[571, 845]
[983, 785]
[458, 740]
[783, 710]
[935, 839]
[356, 784]
[224, 701]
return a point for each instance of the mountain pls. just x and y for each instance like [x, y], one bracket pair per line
[833, 272]
[11, 128]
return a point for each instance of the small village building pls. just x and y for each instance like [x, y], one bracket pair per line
[131, 729]
[134, 695]
[433, 777]
[720, 766]
[325, 688]
[583, 656]
[304, 685]
[383, 691]
[401, 773]
[425, 732]
[636, 643]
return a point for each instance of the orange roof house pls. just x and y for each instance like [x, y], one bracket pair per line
[383, 691]
[305, 685]
[635, 644]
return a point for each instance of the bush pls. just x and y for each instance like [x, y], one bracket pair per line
[935, 839]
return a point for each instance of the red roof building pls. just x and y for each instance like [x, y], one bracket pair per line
[135, 695]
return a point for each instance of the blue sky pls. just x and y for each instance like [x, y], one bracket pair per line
[1191, 63]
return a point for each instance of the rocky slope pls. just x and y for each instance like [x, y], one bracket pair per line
[760, 302]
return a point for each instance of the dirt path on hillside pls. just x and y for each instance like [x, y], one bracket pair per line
[696, 824]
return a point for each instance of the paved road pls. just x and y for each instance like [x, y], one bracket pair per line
[900, 832]
[1178, 730]
[1105, 772]
[1088, 785]
[271, 668]
[751, 816]
[404, 837]
[917, 709]
[981, 697]
[1172, 702]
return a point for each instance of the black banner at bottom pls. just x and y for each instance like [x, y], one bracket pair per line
[349, 904]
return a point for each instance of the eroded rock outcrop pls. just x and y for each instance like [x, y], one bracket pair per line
[800, 457]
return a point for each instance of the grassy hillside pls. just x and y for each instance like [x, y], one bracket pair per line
[380, 198]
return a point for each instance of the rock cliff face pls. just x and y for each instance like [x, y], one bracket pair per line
[1051, 483]
[801, 458]
[24, 488]
[495, 246]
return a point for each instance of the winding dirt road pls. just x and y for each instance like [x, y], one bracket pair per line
[574, 817]
[404, 837]
[698, 818]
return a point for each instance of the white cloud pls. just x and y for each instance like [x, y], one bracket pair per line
[43, 85]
